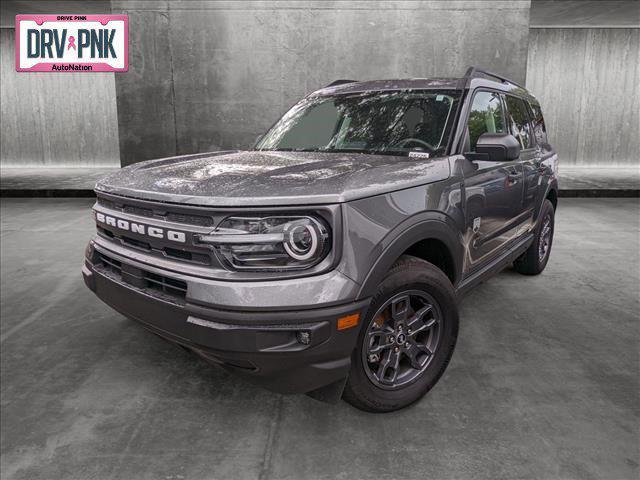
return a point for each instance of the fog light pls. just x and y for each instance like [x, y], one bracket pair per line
[303, 337]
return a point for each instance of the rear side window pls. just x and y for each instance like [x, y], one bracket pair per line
[539, 128]
[486, 116]
[519, 121]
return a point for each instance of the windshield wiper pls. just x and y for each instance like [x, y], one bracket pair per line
[288, 150]
[386, 151]
[380, 151]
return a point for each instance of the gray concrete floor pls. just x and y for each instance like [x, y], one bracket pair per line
[544, 382]
[585, 178]
[51, 178]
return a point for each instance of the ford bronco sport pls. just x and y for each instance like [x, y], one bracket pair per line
[329, 258]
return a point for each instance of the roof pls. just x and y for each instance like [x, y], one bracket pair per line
[397, 84]
[473, 78]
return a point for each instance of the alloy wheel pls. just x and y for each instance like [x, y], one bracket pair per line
[402, 339]
[545, 239]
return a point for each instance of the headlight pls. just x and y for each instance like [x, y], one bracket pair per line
[270, 243]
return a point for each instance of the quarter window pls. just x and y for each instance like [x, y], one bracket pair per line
[519, 121]
[539, 128]
[486, 116]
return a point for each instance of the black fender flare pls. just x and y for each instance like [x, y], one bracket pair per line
[423, 226]
[551, 186]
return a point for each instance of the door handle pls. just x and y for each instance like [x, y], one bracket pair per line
[513, 177]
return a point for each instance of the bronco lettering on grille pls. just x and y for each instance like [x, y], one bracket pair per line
[155, 232]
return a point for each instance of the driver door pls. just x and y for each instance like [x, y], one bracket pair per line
[493, 190]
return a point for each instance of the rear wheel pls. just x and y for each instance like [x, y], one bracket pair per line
[407, 338]
[534, 260]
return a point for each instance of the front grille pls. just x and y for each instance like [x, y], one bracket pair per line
[144, 212]
[159, 251]
[200, 221]
[160, 286]
[159, 212]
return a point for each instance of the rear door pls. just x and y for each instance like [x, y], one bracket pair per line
[520, 126]
[546, 159]
[493, 190]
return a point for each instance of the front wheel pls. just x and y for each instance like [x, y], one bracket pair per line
[406, 340]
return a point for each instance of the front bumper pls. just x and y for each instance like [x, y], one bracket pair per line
[268, 346]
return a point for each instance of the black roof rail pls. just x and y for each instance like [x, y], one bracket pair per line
[340, 82]
[476, 72]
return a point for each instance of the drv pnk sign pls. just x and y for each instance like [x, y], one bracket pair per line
[72, 43]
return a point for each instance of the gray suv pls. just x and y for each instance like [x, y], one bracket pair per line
[329, 258]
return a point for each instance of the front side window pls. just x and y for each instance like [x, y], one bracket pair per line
[389, 123]
[486, 116]
[519, 121]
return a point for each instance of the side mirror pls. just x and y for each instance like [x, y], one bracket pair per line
[497, 147]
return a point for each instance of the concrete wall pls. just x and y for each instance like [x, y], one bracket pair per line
[54, 119]
[588, 81]
[584, 13]
[208, 75]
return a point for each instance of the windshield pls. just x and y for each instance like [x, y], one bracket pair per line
[392, 123]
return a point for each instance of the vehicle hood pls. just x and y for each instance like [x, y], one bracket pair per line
[261, 178]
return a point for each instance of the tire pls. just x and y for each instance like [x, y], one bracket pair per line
[533, 261]
[424, 288]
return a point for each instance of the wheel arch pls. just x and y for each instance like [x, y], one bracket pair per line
[552, 196]
[434, 239]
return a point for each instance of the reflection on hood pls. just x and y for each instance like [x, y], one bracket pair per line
[271, 178]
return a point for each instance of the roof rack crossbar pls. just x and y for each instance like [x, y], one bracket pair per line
[475, 72]
[340, 82]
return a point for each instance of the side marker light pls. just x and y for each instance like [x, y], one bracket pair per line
[348, 321]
